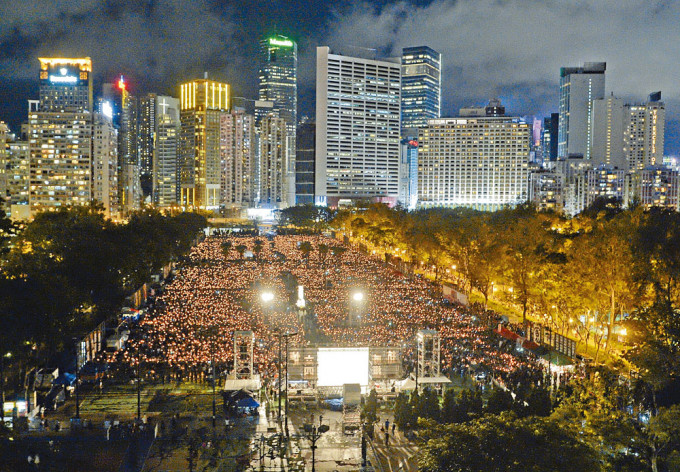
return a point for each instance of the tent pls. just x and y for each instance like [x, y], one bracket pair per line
[247, 402]
[65, 378]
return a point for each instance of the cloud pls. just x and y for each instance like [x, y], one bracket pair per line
[515, 48]
[163, 41]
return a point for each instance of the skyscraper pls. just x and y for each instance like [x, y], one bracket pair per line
[644, 132]
[237, 147]
[146, 129]
[607, 132]
[272, 139]
[549, 137]
[278, 84]
[124, 109]
[165, 191]
[579, 87]
[357, 129]
[60, 135]
[420, 86]
[201, 104]
[105, 163]
[304, 163]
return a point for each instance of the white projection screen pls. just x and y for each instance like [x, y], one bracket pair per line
[338, 366]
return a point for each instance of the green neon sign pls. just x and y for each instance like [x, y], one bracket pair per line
[281, 42]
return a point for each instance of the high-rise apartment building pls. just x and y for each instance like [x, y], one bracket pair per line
[272, 139]
[237, 146]
[60, 135]
[644, 133]
[579, 87]
[202, 103]
[278, 85]
[475, 162]
[358, 104]
[165, 171]
[655, 186]
[420, 86]
[105, 164]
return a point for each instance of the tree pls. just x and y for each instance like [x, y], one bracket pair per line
[241, 249]
[526, 242]
[369, 413]
[305, 248]
[403, 413]
[323, 252]
[257, 248]
[663, 435]
[449, 407]
[428, 405]
[226, 248]
[499, 401]
[503, 443]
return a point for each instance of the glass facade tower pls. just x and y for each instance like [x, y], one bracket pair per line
[420, 86]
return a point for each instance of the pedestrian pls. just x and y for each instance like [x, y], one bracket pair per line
[387, 438]
[394, 425]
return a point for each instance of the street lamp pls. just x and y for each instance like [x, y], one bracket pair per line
[267, 297]
[358, 296]
[313, 433]
[2, 381]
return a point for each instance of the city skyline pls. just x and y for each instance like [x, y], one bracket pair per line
[165, 44]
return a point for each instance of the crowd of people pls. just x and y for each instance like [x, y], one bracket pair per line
[218, 291]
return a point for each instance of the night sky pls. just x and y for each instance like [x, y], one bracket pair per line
[511, 49]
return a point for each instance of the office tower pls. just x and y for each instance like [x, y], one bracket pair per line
[357, 129]
[105, 164]
[202, 102]
[644, 132]
[237, 146]
[278, 84]
[165, 189]
[272, 142]
[421, 76]
[304, 163]
[549, 137]
[607, 132]
[4, 168]
[60, 135]
[579, 87]
[408, 169]
[124, 107]
[146, 129]
[475, 162]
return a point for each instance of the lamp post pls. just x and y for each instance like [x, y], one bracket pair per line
[7, 355]
[313, 433]
[77, 380]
